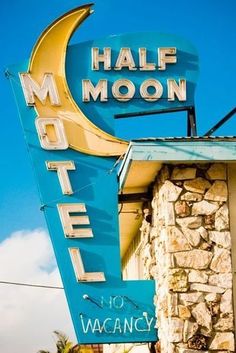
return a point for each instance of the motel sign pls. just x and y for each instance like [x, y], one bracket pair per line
[68, 98]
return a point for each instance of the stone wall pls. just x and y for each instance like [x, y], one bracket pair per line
[187, 250]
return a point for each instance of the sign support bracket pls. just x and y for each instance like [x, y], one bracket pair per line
[191, 116]
[221, 122]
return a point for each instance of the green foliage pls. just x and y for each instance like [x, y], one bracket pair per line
[63, 344]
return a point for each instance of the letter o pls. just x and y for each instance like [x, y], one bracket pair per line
[118, 302]
[151, 97]
[51, 133]
[123, 97]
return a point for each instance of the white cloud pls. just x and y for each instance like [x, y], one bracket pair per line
[30, 315]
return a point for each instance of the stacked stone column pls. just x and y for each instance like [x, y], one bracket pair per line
[187, 250]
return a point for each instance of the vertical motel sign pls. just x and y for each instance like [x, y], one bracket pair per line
[68, 97]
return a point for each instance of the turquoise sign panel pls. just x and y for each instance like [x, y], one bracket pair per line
[113, 310]
[103, 114]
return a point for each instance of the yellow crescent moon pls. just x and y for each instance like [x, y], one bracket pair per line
[48, 56]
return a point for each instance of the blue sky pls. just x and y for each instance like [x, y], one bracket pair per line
[209, 25]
